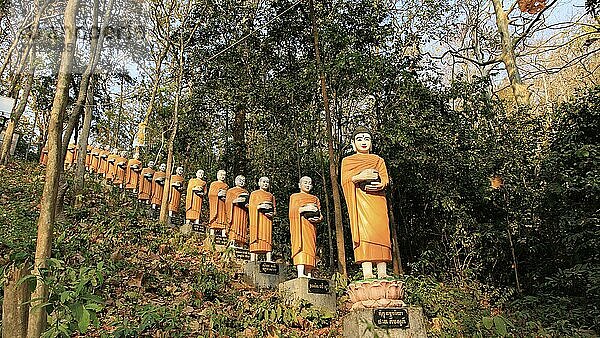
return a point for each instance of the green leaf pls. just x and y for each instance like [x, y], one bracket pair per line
[84, 322]
[488, 322]
[500, 325]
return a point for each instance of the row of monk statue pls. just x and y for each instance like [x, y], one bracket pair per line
[247, 218]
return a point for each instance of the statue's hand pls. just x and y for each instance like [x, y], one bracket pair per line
[308, 207]
[269, 214]
[314, 219]
[365, 175]
[374, 186]
[238, 200]
[222, 193]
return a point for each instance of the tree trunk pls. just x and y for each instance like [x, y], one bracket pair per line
[95, 51]
[83, 142]
[14, 306]
[520, 91]
[164, 208]
[239, 142]
[396, 260]
[337, 204]
[328, 217]
[45, 224]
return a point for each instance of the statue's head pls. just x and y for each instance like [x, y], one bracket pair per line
[151, 164]
[136, 156]
[107, 148]
[240, 181]
[162, 167]
[263, 183]
[221, 175]
[361, 140]
[124, 154]
[305, 184]
[200, 174]
[114, 151]
[179, 171]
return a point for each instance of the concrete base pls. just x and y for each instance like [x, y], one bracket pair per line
[361, 323]
[298, 289]
[261, 280]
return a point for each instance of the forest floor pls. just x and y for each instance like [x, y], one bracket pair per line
[115, 273]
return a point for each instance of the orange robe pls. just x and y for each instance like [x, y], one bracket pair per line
[119, 177]
[145, 187]
[261, 226]
[95, 160]
[157, 188]
[237, 217]
[88, 157]
[103, 164]
[303, 233]
[71, 155]
[111, 166]
[193, 202]
[217, 218]
[368, 211]
[175, 193]
[132, 176]
[44, 156]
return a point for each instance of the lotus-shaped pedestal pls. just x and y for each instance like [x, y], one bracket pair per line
[376, 293]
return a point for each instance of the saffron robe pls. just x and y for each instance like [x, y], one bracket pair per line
[368, 211]
[237, 217]
[103, 166]
[71, 155]
[95, 160]
[120, 168]
[217, 218]
[44, 156]
[145, 187]
[303, 233]
[88, 157]
[132, 174]
[111, 166]
[175, 193]
[157, 188]
[193, 202]
[261, 226]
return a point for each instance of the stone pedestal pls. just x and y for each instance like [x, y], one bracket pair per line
[264, 275]
[315, 291]
[397, 322]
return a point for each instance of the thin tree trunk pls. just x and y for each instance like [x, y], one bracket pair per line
[95, 51]
[83, 142]
[164, 209]
[337, 204]
[18, 112]
[520, 91]
[396, 259]
[14, 306]
[45, 224]
[328, 217]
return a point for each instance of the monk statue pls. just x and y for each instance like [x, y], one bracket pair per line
[175, 192]
[103, 168]
[120, 169]
[364, 178]
[88, 157]
[261, 210]
[70, 156]
[145, 185]
[132, 174]
[158, 186]
[236, 201]
[95, 159]
[217, 218]
[196, 191]
[111, 165]
[44, 156]
[305, 212]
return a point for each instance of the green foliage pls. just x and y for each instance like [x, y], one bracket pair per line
[73, 301]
